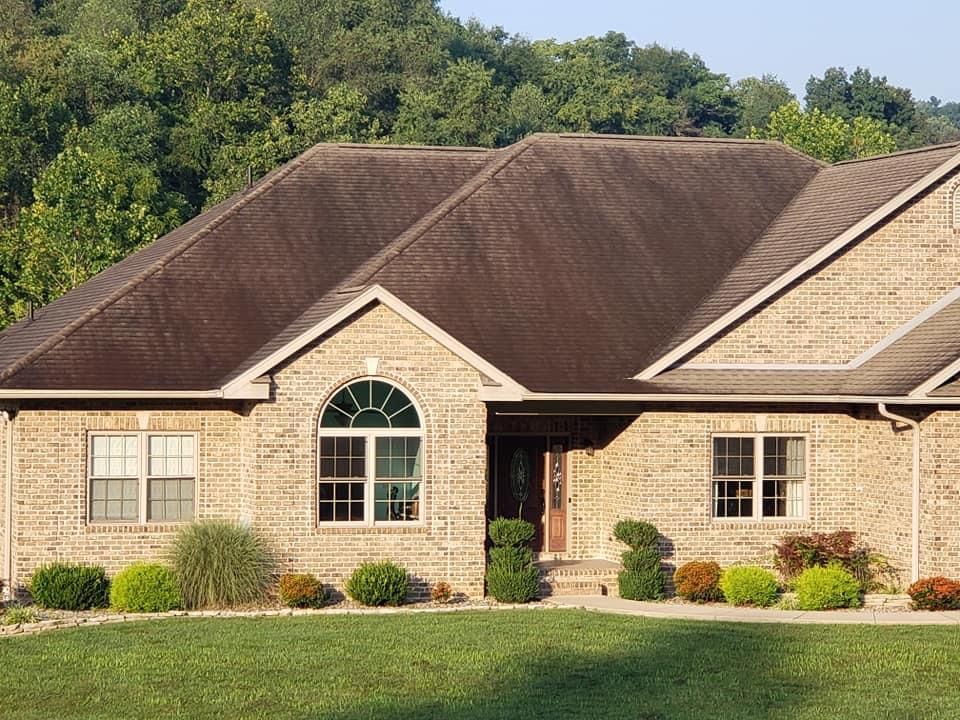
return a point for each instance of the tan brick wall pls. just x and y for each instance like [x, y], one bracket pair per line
[940, 495]
[865, 293]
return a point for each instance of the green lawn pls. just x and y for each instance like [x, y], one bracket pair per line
[510, 664]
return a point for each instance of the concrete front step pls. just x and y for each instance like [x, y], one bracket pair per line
[578, 577]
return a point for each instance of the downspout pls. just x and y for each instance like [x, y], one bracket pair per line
[8, 589]
[915, 524]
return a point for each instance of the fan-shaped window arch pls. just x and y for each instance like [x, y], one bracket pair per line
[370, 449]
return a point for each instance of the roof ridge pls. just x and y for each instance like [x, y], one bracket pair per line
[407, 146]
[658, 351]
[366, 271]
[132, 283]
[898, 153]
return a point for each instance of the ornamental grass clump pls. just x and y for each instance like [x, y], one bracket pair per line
[511, 575]
[16, 614]
[698, 582]
[302, 590]
[827, 588]
[145, 588]
[221, 564]
[749, 585]
[376, 584]
[642, 576]
[65, 586]
[935, 593]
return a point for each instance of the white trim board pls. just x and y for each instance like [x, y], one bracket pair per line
[377, 293]
[837, 244]
[733, 398]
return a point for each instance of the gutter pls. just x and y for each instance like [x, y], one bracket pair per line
[8, 590]
[915, 510]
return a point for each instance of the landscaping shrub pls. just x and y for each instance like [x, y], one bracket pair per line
[935, 593]
[641, 577]
[795, 553]
[145, 587]
[748, 585]
[64, 586]
[698, 582]
[221, 564]
[441, 592]
[510, 532]
[302, 590]
[375, 584]
[825, 588]
[636, 534]
[19, 615]
[511, 574]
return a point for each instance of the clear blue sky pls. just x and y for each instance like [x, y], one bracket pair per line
[916, 44]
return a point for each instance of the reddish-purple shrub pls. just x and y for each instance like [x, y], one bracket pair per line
[935, 593]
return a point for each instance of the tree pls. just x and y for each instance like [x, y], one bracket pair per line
[827, 137]
[757, 98]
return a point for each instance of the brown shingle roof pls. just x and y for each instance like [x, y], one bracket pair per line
[562, 260]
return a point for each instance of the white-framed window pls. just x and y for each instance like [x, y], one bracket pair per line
[141, 477]
[757, 476]
[370, 456]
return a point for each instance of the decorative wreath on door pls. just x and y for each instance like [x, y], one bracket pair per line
[520, 472]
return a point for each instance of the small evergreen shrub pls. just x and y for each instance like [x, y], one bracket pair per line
[145, 588]
[748, 585]
[935, 593]
[826, 588]
[636, 534]
[302, 590]
[221, 564]
[65, 586]
[19, 615]
[510, 532]
[511, 574]
[698, 582]
[641, 577]
[441, 592]
[375, 584]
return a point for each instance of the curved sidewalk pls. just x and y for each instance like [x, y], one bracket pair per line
[677, 611]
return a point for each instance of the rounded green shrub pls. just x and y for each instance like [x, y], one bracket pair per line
[636, 534]
[221, 564]
[375, 584]
[513, 585]
[146, 588]
[510, 532]
[749, 585]
[698, 582]
[825, 588]
[65, 586]
[645, 559]
[641, 584]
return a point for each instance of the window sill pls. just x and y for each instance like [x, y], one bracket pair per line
[418, 529]
[132, 528]
[765, 523]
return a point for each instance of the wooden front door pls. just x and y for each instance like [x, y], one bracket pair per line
[520, 481]
[556, 494]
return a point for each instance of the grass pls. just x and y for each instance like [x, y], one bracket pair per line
[485, 665]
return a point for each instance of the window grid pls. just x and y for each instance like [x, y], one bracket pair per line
[155, 481]
[769, 467]
[370, 443]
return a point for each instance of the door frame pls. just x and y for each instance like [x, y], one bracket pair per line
[493, 483]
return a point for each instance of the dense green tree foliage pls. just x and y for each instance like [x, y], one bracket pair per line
[119, 119]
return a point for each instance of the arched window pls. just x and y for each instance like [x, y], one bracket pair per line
[370, 456]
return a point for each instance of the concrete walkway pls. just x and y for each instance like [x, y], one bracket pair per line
[678, 611]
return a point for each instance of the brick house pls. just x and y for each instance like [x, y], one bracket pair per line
[373, 350]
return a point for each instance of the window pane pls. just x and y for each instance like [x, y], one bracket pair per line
[343, 457]
[170, 500]
[398, 457]
[113, 500]
[370, 419]
[340, 501]
[396, 502]
[732, 498]
[732, 457]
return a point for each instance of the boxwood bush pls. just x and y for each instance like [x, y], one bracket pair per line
[749, 585]
[221, 564]
[66, 586]
[380, 583]
[511, 574]
[641, 577]
[698, 582]
[145, 587]
[302, 590]
[826, 588]
[636, 534]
